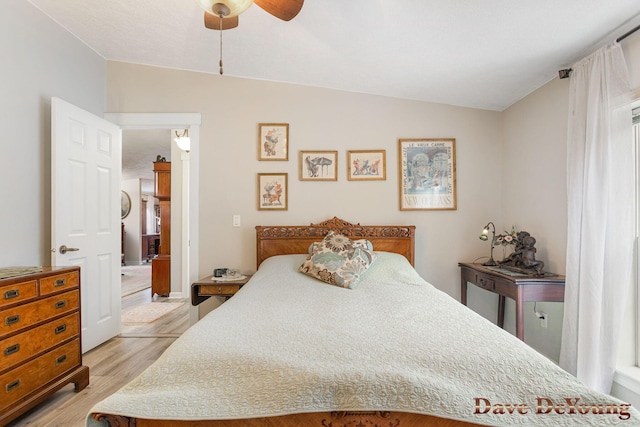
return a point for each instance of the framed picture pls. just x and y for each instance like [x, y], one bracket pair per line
[318, 166]
[273, 141]
[366, 165]
[427, 174]
[125, 204]
[272, 191]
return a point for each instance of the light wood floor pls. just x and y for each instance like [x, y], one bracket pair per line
[111, 366]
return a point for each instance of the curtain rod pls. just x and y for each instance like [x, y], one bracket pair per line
[564, 74]
[627, 34]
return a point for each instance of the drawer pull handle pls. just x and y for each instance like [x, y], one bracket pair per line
[61, 359]
[13, 293]
[12, 349]
[13, 384]
[219, 289]
[485, 282]
[60, 282]
[60, 329]
[61, 304]
[12, 320]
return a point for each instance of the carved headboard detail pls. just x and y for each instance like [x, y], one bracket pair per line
[282, 240]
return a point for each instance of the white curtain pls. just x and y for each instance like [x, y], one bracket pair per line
[601, 206]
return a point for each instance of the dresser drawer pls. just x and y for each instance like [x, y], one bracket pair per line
[16, 384]
[18, 292]
[485, 282]
[20, 347]
[16, 318]
[504, 289]
[219, 289]
[59, 282]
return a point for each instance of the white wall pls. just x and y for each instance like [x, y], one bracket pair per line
[39, 60]
[133, 223]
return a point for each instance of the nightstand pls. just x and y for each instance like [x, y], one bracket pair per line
[520, 287]
[208, 287]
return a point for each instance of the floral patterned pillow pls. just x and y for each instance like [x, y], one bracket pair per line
[364, 243]
[338, 260]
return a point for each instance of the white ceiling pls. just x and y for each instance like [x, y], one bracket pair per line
[482, 54]
[139, 150]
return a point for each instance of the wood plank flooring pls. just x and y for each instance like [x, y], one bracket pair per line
[111, 366]
[171, 325]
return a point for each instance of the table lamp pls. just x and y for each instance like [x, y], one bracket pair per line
[485, 236]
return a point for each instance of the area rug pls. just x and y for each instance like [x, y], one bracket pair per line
[149, 312]
[135, 278]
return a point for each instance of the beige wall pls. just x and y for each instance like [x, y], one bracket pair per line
[510, 170]
[319, 119]
[534, 193]
[534, 196]
[510, 165]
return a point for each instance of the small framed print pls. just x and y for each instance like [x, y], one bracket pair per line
[273, 141]
[366, 165]
[318, 166]
[427, 174]
[272, 191]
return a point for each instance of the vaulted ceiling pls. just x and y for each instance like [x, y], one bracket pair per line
[481, 54]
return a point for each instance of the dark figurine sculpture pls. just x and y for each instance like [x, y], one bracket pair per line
[523, 258]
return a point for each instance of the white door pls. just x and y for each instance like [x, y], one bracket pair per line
[86, 164]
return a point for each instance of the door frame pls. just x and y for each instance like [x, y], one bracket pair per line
[189, 241]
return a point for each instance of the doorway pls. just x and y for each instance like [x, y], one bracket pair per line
[145, 313]
[189, 259]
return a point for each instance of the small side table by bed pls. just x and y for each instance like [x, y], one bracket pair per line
[519, 287]
[207, 287]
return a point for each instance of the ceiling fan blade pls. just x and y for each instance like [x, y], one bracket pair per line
[283, 9]
[212, 22]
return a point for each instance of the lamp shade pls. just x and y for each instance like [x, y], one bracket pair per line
[183, 141]
[236, 7]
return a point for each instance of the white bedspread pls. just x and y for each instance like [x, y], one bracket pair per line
[288, 343]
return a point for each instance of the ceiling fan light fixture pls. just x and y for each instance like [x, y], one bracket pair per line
[228, 8]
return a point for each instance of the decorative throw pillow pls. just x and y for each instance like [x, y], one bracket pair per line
[363, 243]
[338, 260]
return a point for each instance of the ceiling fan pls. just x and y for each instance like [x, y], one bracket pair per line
[223, 14]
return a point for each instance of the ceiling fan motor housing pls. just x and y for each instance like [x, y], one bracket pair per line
[226, 8]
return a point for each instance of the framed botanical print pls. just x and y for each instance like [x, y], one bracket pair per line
[427, 174]
[272, 191]
[318, 166]
[273, 141]
[366, 165]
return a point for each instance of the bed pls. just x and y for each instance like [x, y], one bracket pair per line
[289, 350]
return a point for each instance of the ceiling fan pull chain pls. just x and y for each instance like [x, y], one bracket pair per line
[220, 64]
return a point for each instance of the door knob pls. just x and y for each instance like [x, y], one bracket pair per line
[64, 249]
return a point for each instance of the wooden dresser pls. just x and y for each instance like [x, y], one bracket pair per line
[161, 265]
[40, 348]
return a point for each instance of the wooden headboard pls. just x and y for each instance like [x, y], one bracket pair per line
[284, 240]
